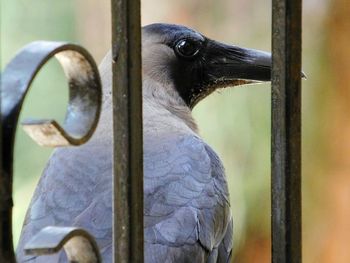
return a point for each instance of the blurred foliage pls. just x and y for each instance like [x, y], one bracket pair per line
[236, 122]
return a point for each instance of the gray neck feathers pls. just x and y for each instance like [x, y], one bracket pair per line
[163, 99]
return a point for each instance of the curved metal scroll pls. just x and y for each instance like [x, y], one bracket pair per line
[81, 118]
[78, 244]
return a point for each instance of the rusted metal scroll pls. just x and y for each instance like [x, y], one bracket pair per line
[80, 122]
[78, 244]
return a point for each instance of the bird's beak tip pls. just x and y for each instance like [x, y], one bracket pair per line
[303, 75]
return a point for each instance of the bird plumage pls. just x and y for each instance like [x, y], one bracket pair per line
[187, 214]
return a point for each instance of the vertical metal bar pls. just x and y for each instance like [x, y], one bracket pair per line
[286, 131]
[6, 201]
[7, 253]
[127, 119]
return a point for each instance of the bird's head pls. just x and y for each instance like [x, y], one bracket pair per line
[195, 65]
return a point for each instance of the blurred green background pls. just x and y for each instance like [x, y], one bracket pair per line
[236, 122]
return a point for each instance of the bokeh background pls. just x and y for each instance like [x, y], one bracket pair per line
[236, 122]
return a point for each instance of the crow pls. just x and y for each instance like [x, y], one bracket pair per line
[187, 215]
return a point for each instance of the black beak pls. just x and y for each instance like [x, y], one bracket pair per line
[231, 65]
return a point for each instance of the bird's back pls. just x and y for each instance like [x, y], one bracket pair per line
[186, 208]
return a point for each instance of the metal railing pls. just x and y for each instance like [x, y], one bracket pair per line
[286, 131]
[85, 94]
[127, 127]
[127, 130]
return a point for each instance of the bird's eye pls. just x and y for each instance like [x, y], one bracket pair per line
[187, 48]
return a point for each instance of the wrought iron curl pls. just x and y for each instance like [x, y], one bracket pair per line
[85, 93]
[78, 244]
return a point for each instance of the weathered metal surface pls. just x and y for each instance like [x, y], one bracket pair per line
[80, 122]
[286, 131]
[78, 244]
[84, 97]
[127, 118]
[46, 132]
